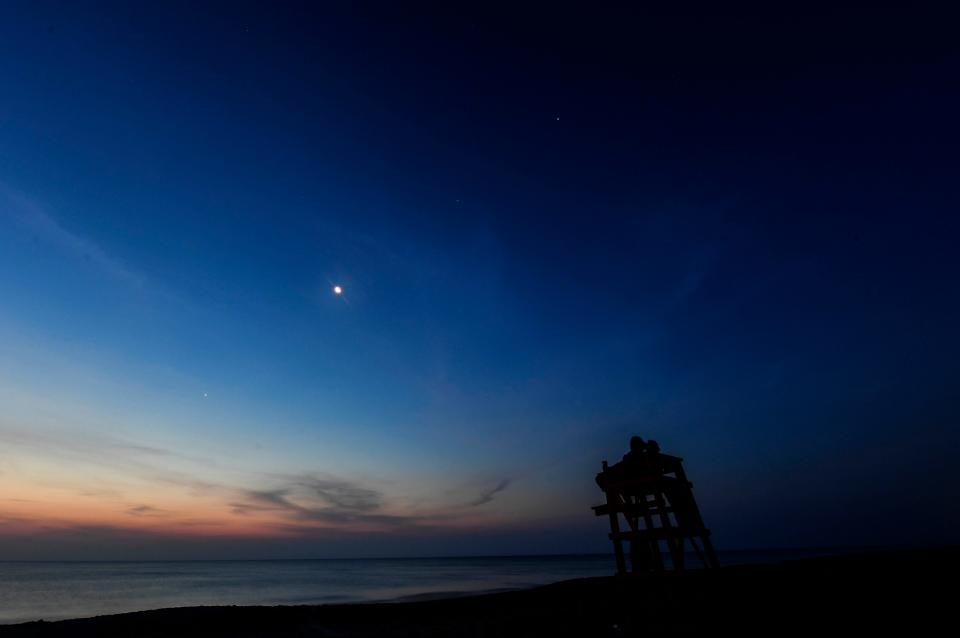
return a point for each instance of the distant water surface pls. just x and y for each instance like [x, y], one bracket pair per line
[58, 590]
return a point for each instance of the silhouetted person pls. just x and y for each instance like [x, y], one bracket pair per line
[652, 463]
[632, 465]
[637, 446]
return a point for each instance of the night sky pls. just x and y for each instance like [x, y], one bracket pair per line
[736, 234]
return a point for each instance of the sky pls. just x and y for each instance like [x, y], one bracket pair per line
[554, 228]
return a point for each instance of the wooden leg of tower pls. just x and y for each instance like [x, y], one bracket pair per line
[638, 553]
[697, 521]
[689, 519]
[696, 548]
[708, 550]
[612, 506]
[657, 556]
[674, 545]
[653, 544]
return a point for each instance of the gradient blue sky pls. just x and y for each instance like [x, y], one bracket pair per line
[733, 234]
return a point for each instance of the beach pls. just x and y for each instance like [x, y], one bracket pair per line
[910, 591]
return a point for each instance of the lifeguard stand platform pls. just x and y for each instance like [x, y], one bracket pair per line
[656, 502]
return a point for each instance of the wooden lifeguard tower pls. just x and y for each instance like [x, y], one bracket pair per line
[655, 499]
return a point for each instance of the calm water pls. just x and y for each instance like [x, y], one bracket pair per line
[51, 590]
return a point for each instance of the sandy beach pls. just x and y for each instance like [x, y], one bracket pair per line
[908, 591]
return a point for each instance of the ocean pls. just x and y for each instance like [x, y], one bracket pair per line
[59, 590]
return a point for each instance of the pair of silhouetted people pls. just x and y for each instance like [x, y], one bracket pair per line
[642, 461]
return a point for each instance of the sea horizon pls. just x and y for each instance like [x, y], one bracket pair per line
[59, 590]
[751, 550]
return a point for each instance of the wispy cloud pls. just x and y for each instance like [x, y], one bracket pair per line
[308, 501]
[273, 503]
[488, 495]
[327, 500]
[342, 494]
[146, 510]
[74, 443]
[96, 450]
[35, 218]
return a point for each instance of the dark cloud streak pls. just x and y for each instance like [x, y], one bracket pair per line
[332, 501]
[487, 496]
[146, 510]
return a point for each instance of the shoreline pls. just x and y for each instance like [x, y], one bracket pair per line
[852, 593]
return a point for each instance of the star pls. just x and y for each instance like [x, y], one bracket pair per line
[337, 290]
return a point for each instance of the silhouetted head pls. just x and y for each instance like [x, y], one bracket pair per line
[653, 447]
[636, 444]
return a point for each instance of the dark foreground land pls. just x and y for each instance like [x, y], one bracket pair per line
[906, 593]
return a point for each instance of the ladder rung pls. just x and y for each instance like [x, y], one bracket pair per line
[625, 508]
